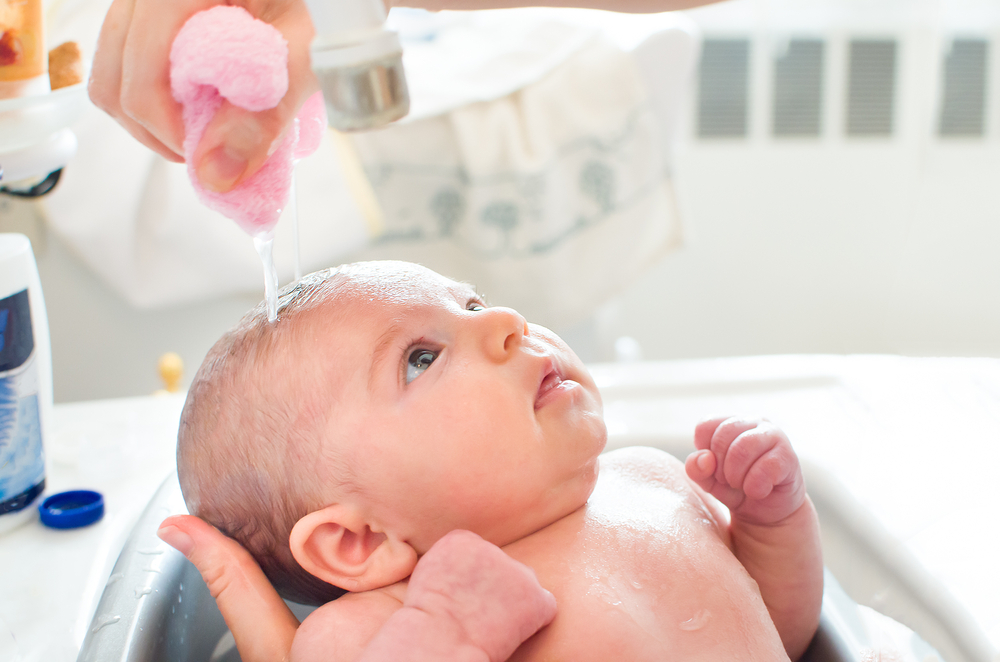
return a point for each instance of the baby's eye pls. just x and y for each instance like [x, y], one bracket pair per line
[475, 305]
[420, 360]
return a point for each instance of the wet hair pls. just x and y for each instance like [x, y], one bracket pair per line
[249, 456]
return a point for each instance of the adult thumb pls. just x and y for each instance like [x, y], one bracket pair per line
[259, 619]
[237, 142]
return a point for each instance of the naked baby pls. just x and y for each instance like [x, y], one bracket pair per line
[389, 406]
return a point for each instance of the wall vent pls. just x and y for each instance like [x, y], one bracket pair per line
[798, 89]
[963, 99]
[723, 88]
[871, 88]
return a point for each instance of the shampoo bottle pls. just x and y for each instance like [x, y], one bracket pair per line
[25, 382]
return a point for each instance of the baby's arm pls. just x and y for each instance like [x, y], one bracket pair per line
[750, 467]
[467, 601]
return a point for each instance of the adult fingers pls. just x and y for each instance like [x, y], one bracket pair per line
[260, 621]
[237, 142]
[146, 98]
[106, 71]
[105, 81]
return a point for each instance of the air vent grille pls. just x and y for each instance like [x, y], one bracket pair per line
[798, 89]
[871, 88]
[963, 102]
[723, 84]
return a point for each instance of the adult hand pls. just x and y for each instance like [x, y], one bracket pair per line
[130, 80]
[466, 600]
[259, 619]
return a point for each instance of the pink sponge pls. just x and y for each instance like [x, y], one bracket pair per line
[225, 53]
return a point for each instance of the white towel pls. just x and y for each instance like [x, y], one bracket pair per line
[549, 199]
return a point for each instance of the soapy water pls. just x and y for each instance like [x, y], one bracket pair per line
[264, 243]
[697, 621]
[104, 621]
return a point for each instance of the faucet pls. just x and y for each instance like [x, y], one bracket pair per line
[359, 64]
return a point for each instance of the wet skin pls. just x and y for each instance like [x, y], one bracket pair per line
[498, 430]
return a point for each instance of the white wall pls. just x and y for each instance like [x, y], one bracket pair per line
[831, 244]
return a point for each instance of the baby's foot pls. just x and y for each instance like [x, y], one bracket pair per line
[748, 465]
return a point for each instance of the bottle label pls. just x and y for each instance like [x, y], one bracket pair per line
[22, 460]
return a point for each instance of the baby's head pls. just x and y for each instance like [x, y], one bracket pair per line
[385, 407]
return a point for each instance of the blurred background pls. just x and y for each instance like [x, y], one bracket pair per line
[829, 182]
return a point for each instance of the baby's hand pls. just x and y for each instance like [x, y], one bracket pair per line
[472, 596]
[748, 465]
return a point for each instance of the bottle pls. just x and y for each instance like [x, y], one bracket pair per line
[25, 382]
[23, 58]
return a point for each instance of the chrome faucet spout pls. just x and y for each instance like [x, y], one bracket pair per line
[359, 64]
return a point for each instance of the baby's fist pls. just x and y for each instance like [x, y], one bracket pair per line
[748, 465]
[496, 601]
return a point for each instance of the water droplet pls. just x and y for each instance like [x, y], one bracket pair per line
[141, 591]
[103, 621]
[697, 621]
[115, 577]
[636, 585]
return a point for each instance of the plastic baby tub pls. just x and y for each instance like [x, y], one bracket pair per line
[155, 606]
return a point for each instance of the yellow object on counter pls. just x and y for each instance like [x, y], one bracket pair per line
[23, 57]
[171, 368]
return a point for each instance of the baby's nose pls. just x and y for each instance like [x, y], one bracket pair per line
[502, 331]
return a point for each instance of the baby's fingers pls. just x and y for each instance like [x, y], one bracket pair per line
[750, 446]
[704, 431]
[778, 466]
[700, 466]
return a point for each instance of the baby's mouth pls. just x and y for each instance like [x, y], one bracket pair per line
[551, 380]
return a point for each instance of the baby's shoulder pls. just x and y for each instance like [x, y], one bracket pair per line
[644, 465]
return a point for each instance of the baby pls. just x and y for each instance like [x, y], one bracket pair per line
[389, 406]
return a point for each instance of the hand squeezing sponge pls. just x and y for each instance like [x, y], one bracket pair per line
[224, 53]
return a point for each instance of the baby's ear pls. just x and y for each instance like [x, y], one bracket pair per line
[337, 545]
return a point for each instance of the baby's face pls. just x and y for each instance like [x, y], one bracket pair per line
[451, 414]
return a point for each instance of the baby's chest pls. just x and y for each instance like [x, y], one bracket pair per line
[639, 576]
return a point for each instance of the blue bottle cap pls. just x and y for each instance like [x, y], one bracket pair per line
[69, 510]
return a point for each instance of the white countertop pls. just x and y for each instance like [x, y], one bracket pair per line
[914, 441]
[51, 580]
